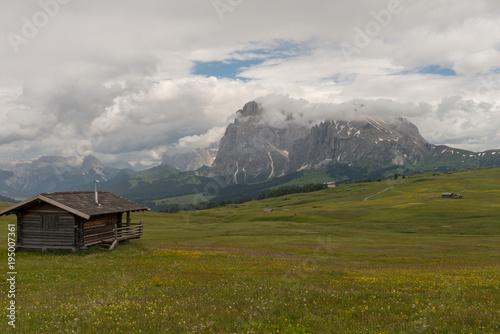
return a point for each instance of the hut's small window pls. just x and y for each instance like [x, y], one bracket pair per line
[50, 222]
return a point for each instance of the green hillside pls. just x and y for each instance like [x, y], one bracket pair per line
[7, 199]
[163, 187]
[407, 207]
[404, 260]
[156, 185]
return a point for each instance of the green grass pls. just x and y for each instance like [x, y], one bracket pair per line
[183, 200]
[404, 261]
[313, 176]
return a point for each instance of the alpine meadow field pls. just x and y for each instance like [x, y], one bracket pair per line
[402, 261]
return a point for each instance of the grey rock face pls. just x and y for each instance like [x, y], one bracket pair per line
[191, 160]
[251, 146]
[397, 141]
[256, 146]
[48, 174]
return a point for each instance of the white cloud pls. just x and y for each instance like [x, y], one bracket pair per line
[115, 78]
[462, 123]
[278, 107]
[204, 140]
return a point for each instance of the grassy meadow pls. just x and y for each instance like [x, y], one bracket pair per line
[403, 261]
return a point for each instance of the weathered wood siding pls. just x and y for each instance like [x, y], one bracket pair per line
[99, 228]
[33, 233]
[79, 232]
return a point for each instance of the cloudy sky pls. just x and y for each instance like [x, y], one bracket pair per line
[129, 80]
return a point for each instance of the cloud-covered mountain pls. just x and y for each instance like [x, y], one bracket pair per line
[49, 174]
[267, 139]
[190, 161]
[257, 144]
[395, 142]
[266, 142]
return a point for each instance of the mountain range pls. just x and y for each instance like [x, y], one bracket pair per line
[261, 150]
[51, 174]
[253, 149]
[190, 161]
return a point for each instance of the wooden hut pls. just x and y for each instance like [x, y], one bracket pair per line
[74, 220]
[447, 195]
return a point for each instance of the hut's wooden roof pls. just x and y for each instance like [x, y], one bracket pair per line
[81, 203]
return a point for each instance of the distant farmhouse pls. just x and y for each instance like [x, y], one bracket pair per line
[74, 220]
[451, 195]
[330, 185]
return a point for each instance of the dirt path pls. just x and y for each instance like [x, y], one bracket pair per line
[366, 198]
[468, 186]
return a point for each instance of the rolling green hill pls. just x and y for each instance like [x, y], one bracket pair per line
[406, 206]
[163, 187]
[7, 199]
[375, 257]
[161, 184]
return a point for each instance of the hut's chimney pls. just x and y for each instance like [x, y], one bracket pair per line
[96, 194]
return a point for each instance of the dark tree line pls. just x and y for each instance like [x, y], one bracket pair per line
[291, 190]
[264, 195]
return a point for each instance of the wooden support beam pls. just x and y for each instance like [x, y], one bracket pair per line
[113, 245]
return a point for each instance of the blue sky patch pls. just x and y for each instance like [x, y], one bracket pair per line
[432, 69]
[281, 49]
[438, 70]
[234, 65]
[224, 69]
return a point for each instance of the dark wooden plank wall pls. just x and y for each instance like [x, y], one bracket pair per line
[31, 234]
[99, 228]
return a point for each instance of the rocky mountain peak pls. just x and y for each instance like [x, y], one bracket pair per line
[191, 160]
[394, 141]
[254, 147]
[251, 109]
[91, 163]
[55, 173]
